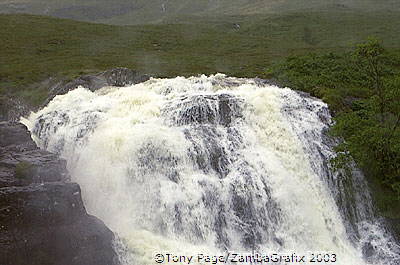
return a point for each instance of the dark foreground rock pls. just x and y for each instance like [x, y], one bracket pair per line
[22, 163]
[11, 109]
[42, 216]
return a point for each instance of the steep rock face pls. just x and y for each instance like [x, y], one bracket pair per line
[11, 109]
[42, 216]
[22, 163]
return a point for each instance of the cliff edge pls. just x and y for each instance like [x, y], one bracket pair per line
[42, 217]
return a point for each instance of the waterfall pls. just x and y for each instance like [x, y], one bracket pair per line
[213, 165]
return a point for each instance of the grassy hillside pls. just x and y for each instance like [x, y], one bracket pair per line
[34, 48]
[125, 12]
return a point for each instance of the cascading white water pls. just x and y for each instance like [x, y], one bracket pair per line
[209, 165]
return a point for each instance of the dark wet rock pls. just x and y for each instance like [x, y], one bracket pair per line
[11, 109]
[47, 224]
[229, 109]
[220, 109]
[42, 216]
[270, 82]
[13, 134]
[22, 163]
[368, 250]
[207, 153]
[124, 77]
[203, 112]
[115, 77]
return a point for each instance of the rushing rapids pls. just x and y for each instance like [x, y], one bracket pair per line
[211, 165]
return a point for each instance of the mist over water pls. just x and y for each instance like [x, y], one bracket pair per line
[210, 165]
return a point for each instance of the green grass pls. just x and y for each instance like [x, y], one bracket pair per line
[128, 12]
[35, 48]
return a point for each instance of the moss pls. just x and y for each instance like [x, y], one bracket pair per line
[22, 169]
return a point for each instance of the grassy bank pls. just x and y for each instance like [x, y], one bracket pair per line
[34, 48]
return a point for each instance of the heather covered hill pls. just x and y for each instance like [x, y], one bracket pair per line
[36, 50]
[155, 11]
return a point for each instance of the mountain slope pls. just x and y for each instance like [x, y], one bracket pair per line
[36, 49]
[126, 12]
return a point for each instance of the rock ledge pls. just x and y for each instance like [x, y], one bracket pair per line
[42, 216]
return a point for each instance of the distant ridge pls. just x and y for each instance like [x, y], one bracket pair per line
[129, 12]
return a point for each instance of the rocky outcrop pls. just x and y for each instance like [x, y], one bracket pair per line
[42, 216]
[22, 163]
[11, 109]
[220, 109]
[115, 77]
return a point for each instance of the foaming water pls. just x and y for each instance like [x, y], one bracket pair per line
[210, 165]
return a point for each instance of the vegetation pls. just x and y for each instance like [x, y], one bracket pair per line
[363, 89]
[37, 51]
[22, 169]
[128, 12]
